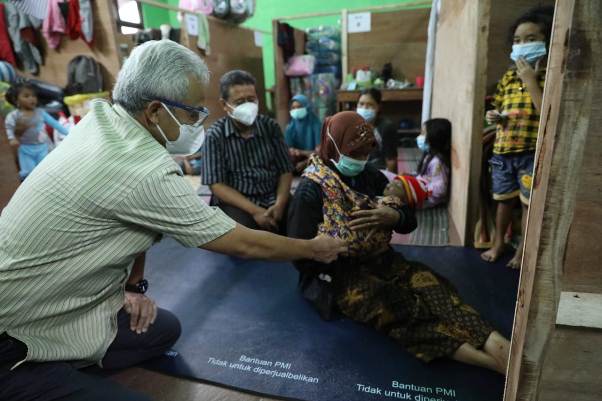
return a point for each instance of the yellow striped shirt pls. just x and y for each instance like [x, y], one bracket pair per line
[70, 234]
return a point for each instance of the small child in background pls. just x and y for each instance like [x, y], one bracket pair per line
[25, 127]
[430, 186]
[517, 105]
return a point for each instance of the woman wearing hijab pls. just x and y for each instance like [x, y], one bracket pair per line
[374, 284]
[303, 132]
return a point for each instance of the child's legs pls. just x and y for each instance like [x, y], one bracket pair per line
[30, 156]
[524, 166]
[27, 160]
[503, 217]
[41, 152]
[505, 191]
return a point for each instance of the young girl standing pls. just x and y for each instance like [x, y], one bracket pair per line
[517, 106]
[25, 127]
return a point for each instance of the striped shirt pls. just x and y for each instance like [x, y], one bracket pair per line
[35, 8]
[70, 234]
[251, 166]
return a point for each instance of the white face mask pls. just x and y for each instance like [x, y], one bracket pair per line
[245, 113]
[189, 141]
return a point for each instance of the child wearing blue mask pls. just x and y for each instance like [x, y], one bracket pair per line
[302, 133]
[384, 155]
[429, 187]
[517, 106]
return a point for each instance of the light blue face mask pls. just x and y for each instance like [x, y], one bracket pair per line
[421, 143]
[531, 52]
[299, 114]
[367, 114]
[346, 165]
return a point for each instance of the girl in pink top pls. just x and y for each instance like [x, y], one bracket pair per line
[430, 186]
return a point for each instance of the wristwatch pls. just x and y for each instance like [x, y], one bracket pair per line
[140, 287]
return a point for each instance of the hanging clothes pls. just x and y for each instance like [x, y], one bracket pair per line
[198, 6]
[87, 21]
[34, 8]
[20, 27]
[6, 49]
[74, 26]
[204, 37]
[54, 26]
[286, 40]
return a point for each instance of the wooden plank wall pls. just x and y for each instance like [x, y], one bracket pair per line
[398, 37]
[104, 49]
[571, 368]
[561, 250]
[232, 47]
[458, 92]
[9, 176]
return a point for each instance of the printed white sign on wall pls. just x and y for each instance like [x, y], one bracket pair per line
[258, 39]
[358, 22]
[192, 24]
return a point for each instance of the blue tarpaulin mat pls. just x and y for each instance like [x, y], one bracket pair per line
[246, 326]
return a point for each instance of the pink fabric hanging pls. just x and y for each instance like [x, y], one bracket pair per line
[201, 6]
[54, 24]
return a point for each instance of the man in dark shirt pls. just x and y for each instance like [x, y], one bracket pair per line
[245, 159]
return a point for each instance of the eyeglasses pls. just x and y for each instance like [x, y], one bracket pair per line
[199, 114]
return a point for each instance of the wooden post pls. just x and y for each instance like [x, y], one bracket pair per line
[458, 92]
[571, 117]
[344, 44]
[9, 176]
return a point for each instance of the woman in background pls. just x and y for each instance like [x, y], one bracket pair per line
[302, 133]
[384, 156]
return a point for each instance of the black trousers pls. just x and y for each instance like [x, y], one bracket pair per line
[50, 381]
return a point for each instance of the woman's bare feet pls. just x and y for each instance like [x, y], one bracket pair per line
[493, 254]
[498, 347]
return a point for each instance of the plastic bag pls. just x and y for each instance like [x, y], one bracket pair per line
[299, 66]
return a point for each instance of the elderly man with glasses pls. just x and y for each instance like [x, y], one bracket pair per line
[74, 235]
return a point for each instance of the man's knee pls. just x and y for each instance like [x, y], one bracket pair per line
[168, 328]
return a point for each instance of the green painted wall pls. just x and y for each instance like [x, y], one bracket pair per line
[267, 10]
[155, 16]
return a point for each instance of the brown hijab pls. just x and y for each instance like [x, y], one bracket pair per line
[352, 134]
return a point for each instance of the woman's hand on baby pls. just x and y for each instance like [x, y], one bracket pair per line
[327, 249]
[382, 217]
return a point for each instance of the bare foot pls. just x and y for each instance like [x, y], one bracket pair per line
[493, 254]
[515, 262]
[498, 348]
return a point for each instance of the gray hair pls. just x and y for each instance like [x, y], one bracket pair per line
[233, 78]
[157, 68]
